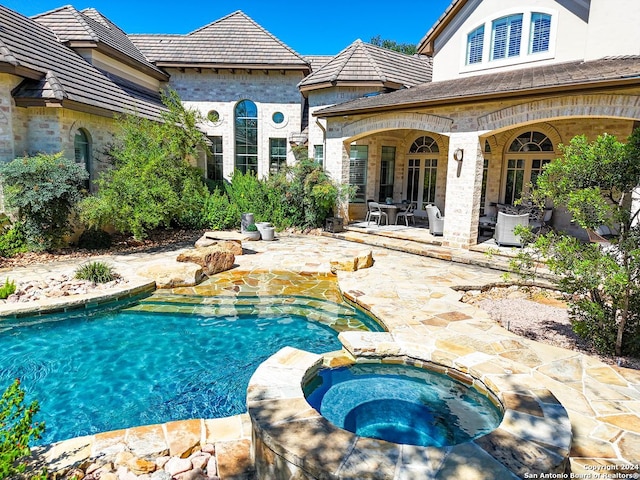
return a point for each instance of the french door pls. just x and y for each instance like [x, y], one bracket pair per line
[422, 172]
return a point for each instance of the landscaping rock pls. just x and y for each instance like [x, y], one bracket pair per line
[212, 259]
[232, 246]
[178, 465]
[173, 274]
[350, 262]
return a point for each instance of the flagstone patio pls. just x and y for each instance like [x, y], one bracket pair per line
[415, 298]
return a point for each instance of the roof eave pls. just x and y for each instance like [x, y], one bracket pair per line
[21, 71]
[604, 84]
[120, 56]
[72, 105]
[233, 66]
[425, 47]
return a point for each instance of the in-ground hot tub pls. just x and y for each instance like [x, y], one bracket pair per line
[291, 439]
[402, 404]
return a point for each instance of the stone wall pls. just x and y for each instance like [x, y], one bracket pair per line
[272, 92]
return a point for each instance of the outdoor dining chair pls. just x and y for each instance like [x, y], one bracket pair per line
[407, 213]
[376, 212]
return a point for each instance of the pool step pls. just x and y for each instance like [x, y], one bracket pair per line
[339, 318]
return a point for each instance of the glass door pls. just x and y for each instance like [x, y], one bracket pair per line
[421, 182]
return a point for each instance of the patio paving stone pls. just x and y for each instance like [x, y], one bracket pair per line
[603, 402]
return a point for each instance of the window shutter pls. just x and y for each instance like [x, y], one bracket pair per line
[540, 31]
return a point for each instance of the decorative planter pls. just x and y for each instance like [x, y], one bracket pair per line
[251, 235]
[268, 233]
[245, 220]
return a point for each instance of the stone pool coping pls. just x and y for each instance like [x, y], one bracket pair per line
[93, 299]
[292, 440]
[415, 297]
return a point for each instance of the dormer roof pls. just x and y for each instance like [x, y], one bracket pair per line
[90, 29]
[366, 64]
[55, 75]
[234, 41]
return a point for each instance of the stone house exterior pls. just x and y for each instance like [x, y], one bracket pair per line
[465, 124]
[63, 95]
[508, 86]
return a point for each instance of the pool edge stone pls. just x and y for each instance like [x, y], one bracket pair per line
[288, 447]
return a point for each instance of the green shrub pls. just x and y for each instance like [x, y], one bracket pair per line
[248, 194]
[251, 228]
[97, 272]
[219, 213]
[94, 239]
[44, 190]
[9, 288]
[152, 183]
[13, 241]
[17, 431]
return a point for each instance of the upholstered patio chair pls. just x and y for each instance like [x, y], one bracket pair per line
[407, 213]
[505, 226]
[376, 212]
[436, 220]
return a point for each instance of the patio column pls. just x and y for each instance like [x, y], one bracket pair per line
[336, 164]
[464, 185]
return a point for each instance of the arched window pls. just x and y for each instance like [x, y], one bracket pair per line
[424, 145]
[246, 123]
[525, 158]
[82, 151]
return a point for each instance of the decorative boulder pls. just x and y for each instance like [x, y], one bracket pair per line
[232, 246]
[171, 275]
[212, 259]
[350, 262]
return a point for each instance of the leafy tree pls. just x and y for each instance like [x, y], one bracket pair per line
[595, 181]
[45, 190]
[151, 183]
[17, 431]
[406, 48]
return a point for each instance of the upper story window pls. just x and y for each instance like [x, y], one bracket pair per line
[540, 32]
[506, 35]
[510, 37]
[475, 44]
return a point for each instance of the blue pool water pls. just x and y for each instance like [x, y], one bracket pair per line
[111, 370]
[401, 404]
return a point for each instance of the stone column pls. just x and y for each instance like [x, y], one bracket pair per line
[464, 185]
[336, 164]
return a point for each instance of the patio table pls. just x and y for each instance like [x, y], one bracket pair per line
[391, 210]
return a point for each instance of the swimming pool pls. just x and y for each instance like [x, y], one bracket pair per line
[159, 360]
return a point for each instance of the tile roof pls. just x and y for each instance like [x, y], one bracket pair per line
[317, 61]
[89, 25]
[54, 73]
[524, 81]
[234, 40]
[364, 62]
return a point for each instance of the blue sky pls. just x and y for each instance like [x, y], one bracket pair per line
[311, 27]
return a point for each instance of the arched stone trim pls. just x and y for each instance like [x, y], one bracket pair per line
[612, 106]
[79, 125]
[396, 121]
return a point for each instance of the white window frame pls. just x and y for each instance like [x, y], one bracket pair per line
[478, 32]
[525, 56]
[510, 37]
[358, 167]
